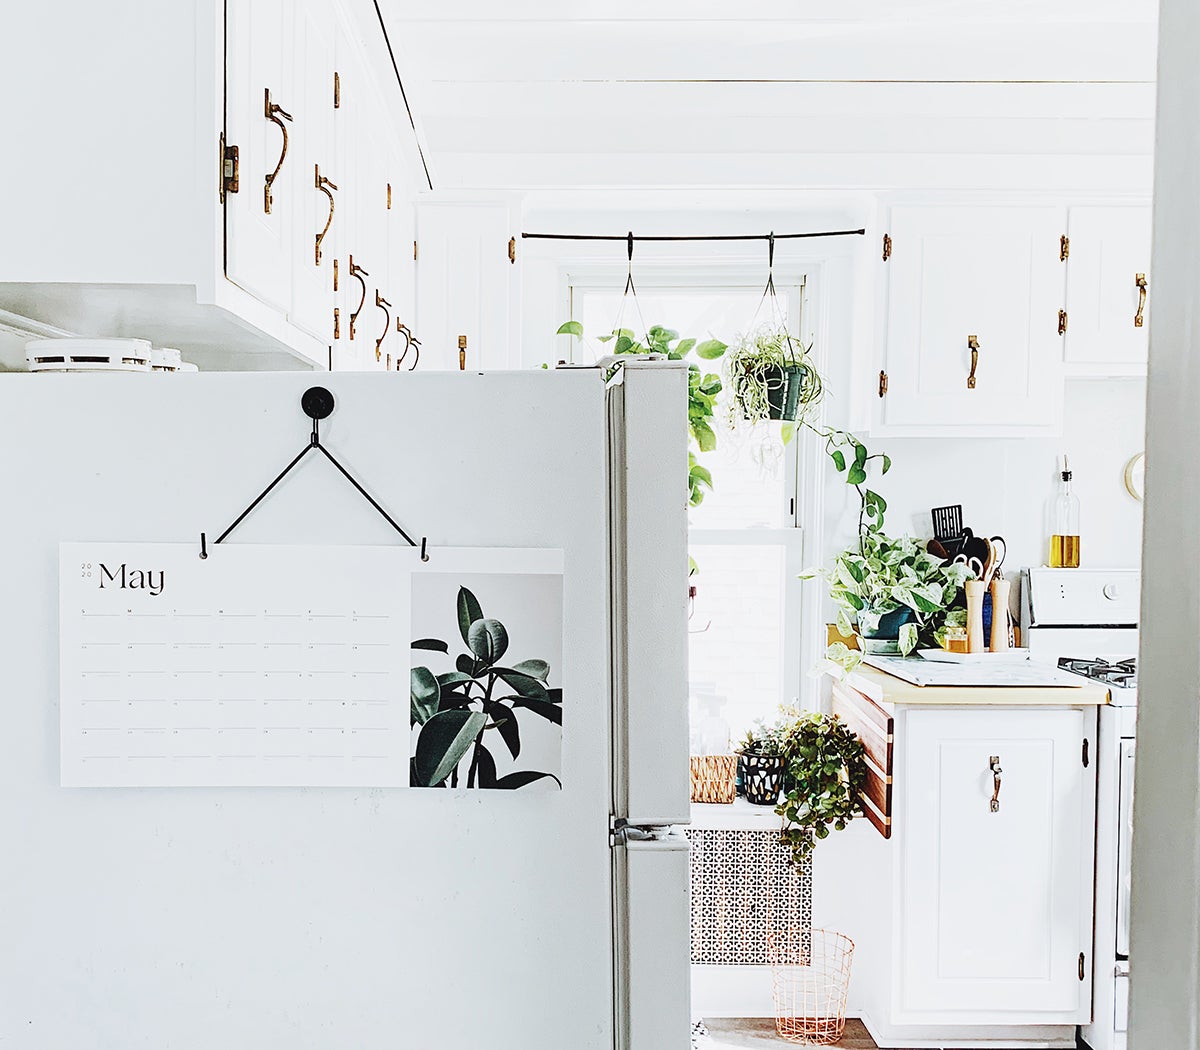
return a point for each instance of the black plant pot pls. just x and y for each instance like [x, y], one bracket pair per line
[784, 384]
[762, 778]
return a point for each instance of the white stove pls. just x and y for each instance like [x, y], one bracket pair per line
[1086, 621]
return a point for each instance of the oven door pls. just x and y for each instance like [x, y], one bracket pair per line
[1124, 846]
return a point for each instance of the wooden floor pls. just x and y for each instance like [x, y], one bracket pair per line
[758, 1033]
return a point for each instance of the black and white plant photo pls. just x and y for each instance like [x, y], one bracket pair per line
[486, 689]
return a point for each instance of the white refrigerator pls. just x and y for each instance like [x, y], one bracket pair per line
[326, 918]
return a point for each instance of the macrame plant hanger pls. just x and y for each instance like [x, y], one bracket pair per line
[631, 290]
[778, 314]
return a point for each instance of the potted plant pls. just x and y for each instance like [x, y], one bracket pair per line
[771, 376]
[761, 761]
[892, 591]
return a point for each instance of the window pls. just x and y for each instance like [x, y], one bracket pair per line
[744, 651]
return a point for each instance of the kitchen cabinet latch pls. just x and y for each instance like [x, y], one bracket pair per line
[887, 247]
[883, 383]
[1062, 322]
[229, 169]
[1086, 759]
[994, 766]
[1081, 966]
[1064, 248]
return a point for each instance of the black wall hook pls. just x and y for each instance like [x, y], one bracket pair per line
[317, 403]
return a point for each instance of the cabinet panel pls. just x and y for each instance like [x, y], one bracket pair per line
[258, 243]
[991, 273]
[996, 902]
[312, 282]
[1110, 247]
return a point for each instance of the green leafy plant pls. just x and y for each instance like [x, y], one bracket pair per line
[823, 781]
[703, 388]
[457, 710]
[767, 741]
[880, 575]
[760, 369]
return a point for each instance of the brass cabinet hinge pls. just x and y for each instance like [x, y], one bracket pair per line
[1086, 760]
[337, 323]
[414, 251]
[335, 275]
[337, 90]
[389, 197]
[512, 249]
[228, 156]
[887, 247]
[883, 383]
[1064, 247]
[1081, 966]
[1062, 322]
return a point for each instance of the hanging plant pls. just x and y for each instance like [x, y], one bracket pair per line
[771, 376]
[703, 388]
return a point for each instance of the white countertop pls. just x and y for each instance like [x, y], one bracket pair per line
[738, 815]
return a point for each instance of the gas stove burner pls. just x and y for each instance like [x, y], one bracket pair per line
[1122, 674]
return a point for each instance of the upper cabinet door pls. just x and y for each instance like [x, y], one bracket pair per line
[1108, 288]
[314, 175]
[260, 104]
[972, 340]
[998, 899]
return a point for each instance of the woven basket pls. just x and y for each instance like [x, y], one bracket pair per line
[713, 778]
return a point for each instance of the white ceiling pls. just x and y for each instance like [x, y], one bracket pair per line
[538, 94]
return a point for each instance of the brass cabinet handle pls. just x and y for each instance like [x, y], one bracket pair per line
[973, 343]
[1143, 288]
[383, 304]
[360, 273]
[325, 186]
[411, 342]
[277, 115]
[994, 766]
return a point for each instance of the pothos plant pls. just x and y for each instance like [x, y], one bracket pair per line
[824, 776]
[703, 388]
[464, 710]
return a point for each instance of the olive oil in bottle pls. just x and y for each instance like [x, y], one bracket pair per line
[1064, 524]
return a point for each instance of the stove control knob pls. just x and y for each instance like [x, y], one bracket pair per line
[1112, 592]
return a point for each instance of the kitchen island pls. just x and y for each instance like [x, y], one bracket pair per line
[981, 904]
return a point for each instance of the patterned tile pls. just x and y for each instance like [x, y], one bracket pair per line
[743, 886]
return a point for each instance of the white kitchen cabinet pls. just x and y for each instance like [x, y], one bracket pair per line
[996, 912]
[981, 918]
[134, 224]
[1108, 286]
[970, 325]
[466, 283]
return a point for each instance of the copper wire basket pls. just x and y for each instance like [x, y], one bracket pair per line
[810, 977]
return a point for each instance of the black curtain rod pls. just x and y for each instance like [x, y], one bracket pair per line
[706, 237]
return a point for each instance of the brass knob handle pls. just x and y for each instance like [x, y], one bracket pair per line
[383, 304]
[360, 273]
[277, 115]
[973, 343]
[1143, 288]
[325, 186]
[994, 766]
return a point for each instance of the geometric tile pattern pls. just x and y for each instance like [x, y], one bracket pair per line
[743, 886]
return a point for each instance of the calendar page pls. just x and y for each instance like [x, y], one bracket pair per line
[259, 665]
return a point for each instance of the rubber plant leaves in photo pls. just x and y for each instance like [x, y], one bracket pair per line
[467, 714]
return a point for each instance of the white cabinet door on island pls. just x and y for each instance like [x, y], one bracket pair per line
[971, 324]
[983, 906]
[997, 915]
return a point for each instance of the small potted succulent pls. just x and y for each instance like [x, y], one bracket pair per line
[761, 762]
[771, 376]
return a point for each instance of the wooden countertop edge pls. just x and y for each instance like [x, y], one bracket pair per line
[885, 688]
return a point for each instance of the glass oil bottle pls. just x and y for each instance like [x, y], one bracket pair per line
[1064, 523]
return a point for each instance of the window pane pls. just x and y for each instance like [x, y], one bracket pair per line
[752, 471]
[736, 645]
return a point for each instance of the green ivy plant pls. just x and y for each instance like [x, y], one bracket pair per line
[824, 776]
[457, 710]
[703, 388]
